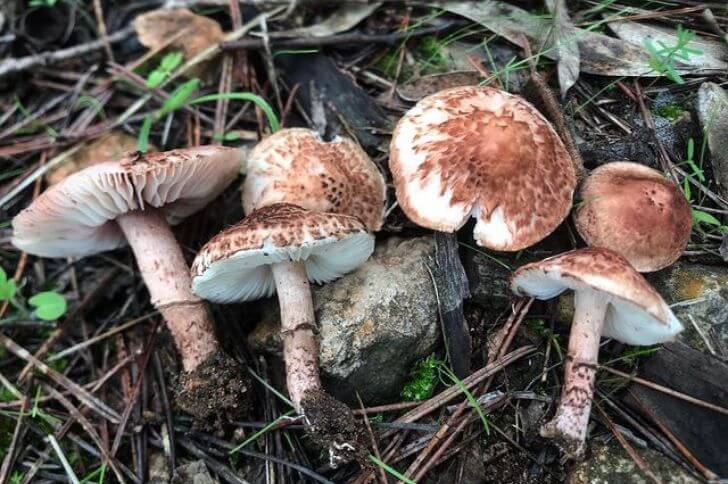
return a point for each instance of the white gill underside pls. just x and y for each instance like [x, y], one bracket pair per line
[246, 275]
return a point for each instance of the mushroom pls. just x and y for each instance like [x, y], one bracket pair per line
[480, 152]
[281, 247]
[611, 299]
[296, 166]
[134, 201]
[636, 211]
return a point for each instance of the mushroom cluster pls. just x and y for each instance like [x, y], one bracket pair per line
[311, 206]
[482, 153]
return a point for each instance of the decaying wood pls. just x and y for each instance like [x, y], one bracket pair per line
[703, 376]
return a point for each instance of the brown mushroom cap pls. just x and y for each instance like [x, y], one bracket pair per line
[296, 166]
[234, 265]
[636, 211]
[481, 152]
[75, 216]
[637, 314]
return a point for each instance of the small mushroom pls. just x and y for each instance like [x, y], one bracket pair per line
[296, 166]
[281, 247]
[480, 152]
[636, 211]
[611, 299]
[134, 201]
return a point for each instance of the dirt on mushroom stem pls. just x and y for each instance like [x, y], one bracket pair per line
[329, 423]
[569, 425]
[210, 377]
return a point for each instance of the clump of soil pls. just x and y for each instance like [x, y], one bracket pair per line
[331, 425]
[218, 390]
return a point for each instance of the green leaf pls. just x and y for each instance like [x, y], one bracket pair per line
[703, 217]
[7, 286]
[155, 78]
[49, 305]
[245, 96]
[171, 61]
[178, 98]
[143, 138]
[391, 470]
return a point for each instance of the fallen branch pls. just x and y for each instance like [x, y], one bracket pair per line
[12, 66]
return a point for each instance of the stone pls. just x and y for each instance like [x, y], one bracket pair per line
[194, 472]
[608, 463]
[374, 323]
[712, 107]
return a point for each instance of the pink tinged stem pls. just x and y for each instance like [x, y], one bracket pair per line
[569, 425]
[167, 277]
[300, 347]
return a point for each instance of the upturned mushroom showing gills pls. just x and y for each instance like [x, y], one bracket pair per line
[483, 153]
[280, 248]
[636, 211]
[296, 166]
[611, 299]
[134, 201]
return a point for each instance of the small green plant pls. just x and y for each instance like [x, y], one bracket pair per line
[181, 97]
[391, 470]
[671, 111]
[663, 57]
[43, 3]
[539, 327]
[168, 64]
[47, 305]
[423, 378]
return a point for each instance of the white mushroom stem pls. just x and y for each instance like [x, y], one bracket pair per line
[569, 425]
[300, 347]
[167, 277]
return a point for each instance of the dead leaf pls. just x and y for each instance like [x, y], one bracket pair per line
[713, 55]
[598, 53]
[563, 40]
[109, 147]
[342, 19]
[712, 107]
[155, 28]
[420, 87]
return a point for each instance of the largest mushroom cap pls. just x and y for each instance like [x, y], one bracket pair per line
[637, 314]
[234, 265]
[296, 166]
[75, 217]
[481, 152]
[634, 210]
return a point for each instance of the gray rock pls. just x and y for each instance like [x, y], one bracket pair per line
[712, 107]
[610, 464]
[374, 323]
[193, 473]
[698, 293]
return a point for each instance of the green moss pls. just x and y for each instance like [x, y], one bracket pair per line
[670, 111]
[423, 378]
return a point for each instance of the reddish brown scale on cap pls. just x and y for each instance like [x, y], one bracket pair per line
[280, 224]
[296, 166]
[480, 148]
[635, 211]
[604, 270]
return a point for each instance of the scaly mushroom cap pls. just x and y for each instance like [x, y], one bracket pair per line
[235, 264]
[74, 218]
[637, 314]
[634, 210]
[481, 152]
[296, 166]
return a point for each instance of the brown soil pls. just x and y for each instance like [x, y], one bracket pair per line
[217, 390]
[331, 425]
